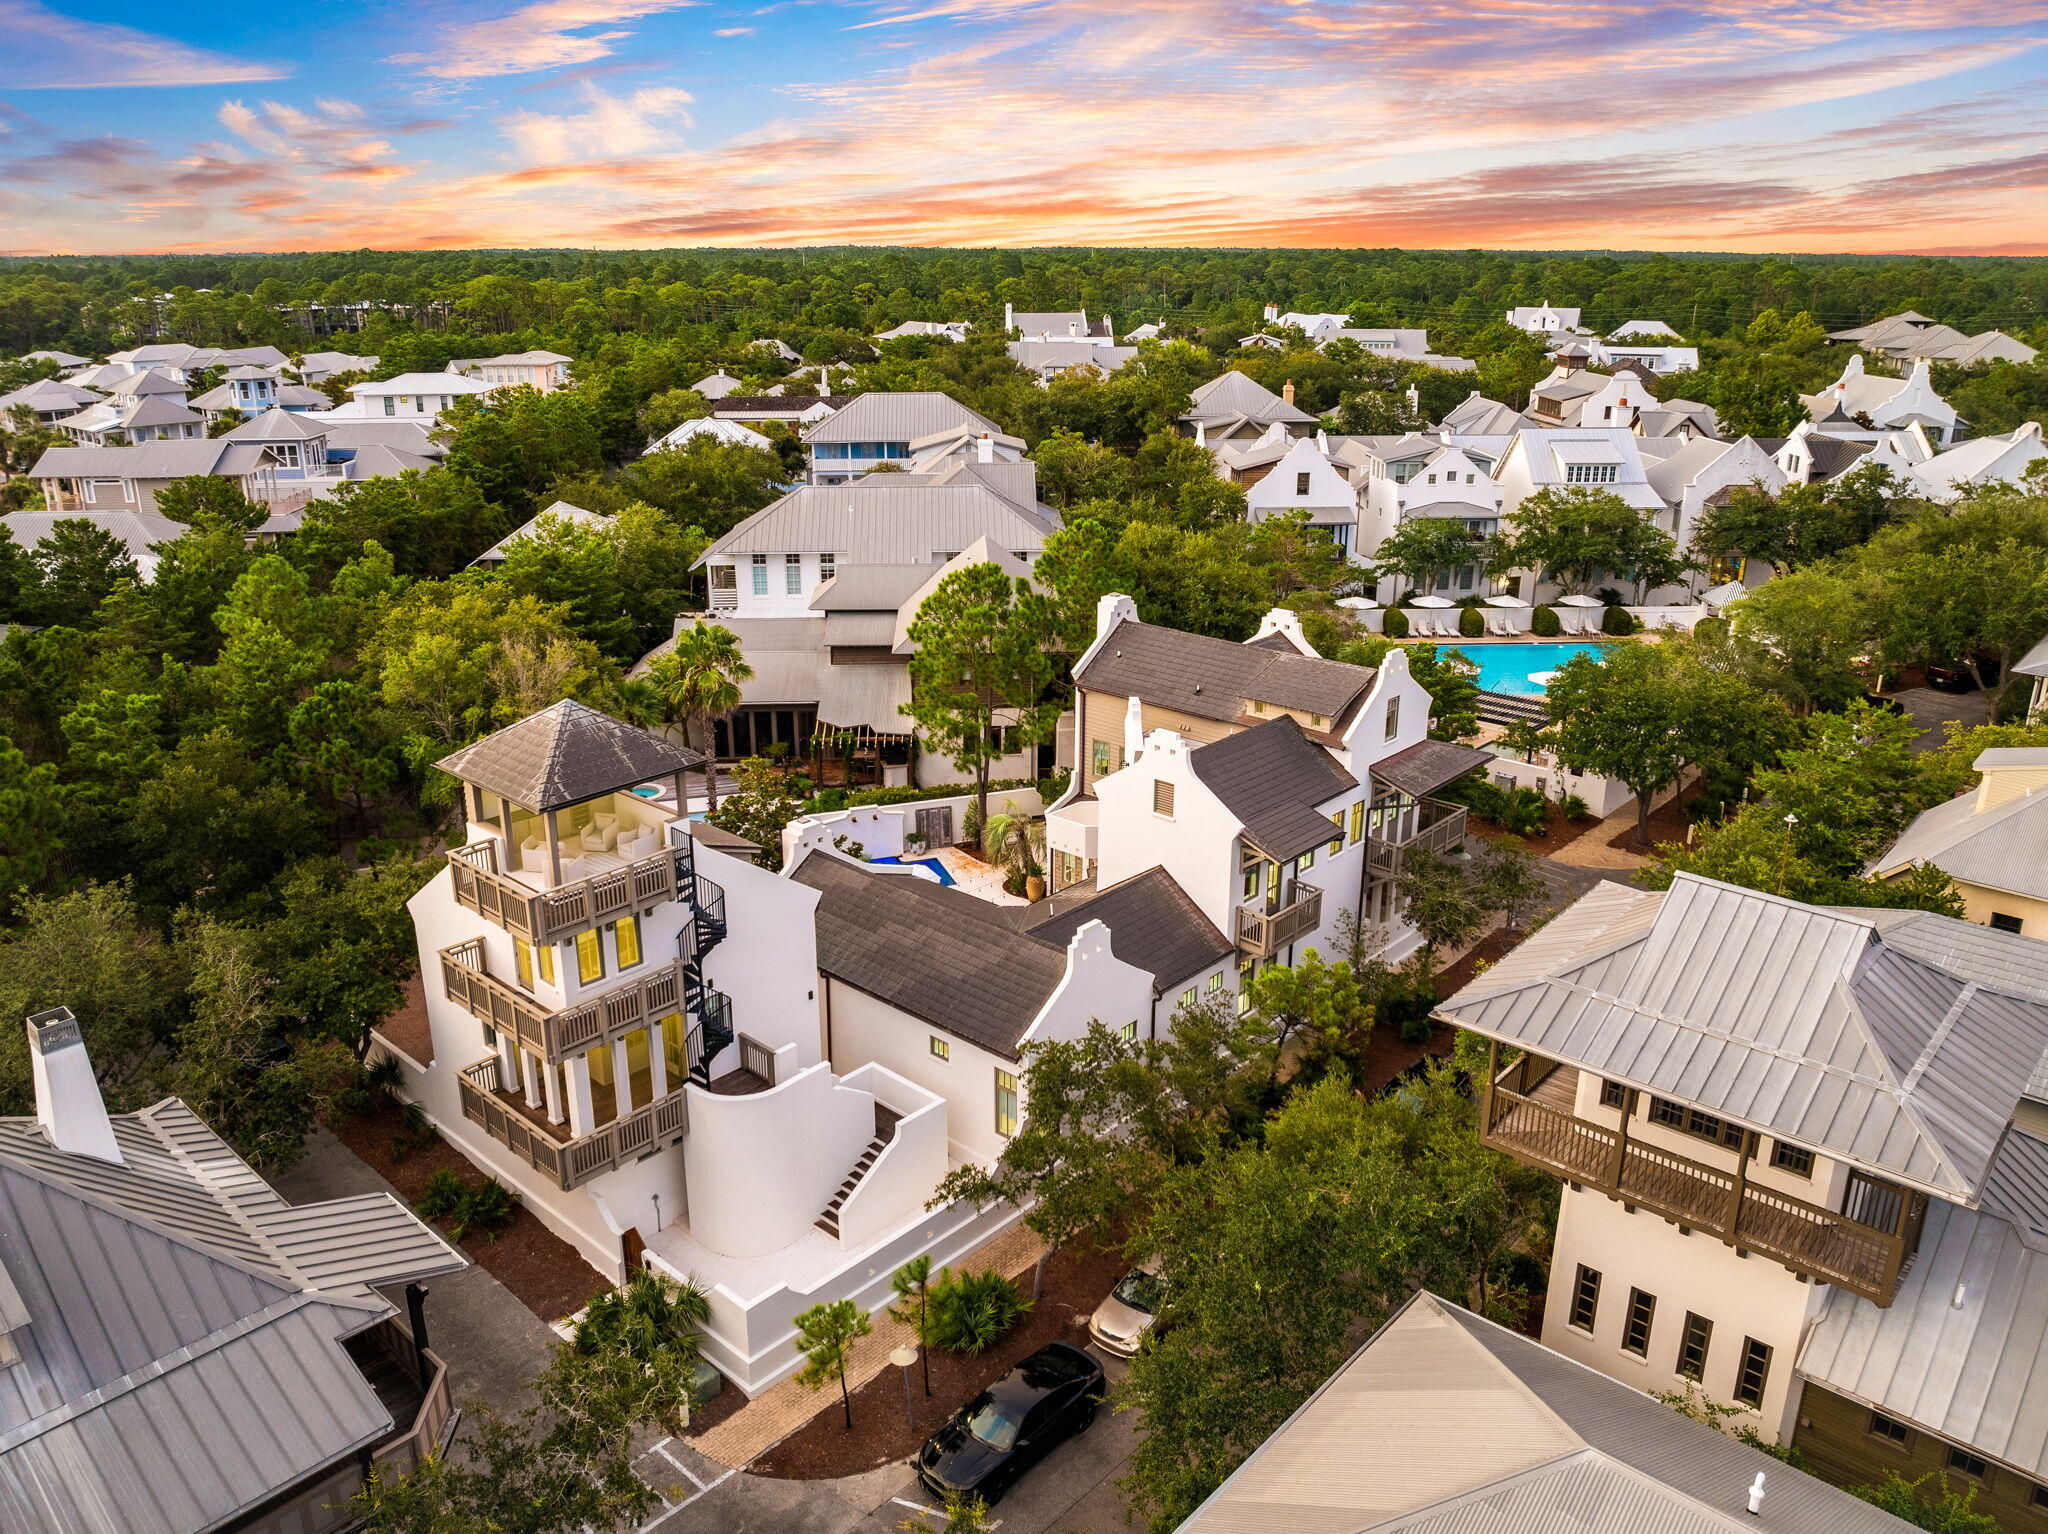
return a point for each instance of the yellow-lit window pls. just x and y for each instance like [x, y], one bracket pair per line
[604, 1098]
[1357, 822]
[1337, 837]
[1006, 1103]
[673, 1044]
[522, 958]
[589, 956]
[1216, 981]
[1307, 861]
[627, 935]
[639, 1068]
[546, 952]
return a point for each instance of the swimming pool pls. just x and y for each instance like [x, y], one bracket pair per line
[1513, 668]
[926, 868]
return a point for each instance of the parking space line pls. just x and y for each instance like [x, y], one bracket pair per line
[687, 1473]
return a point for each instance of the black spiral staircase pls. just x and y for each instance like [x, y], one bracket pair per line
[709, 1008]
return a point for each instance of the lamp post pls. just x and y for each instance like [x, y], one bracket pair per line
[903, 1358]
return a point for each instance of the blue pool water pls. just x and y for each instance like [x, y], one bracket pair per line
[1508, 667]
[935, 869]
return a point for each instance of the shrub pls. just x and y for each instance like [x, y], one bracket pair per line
[1574, 807]
[1523, 811]
[414, 1133]
[1395, 624]
[1609, 595]
[1544, 625]
[442, 1196]
[969, 1311]
[1618, 620]
[1472, 623]
[487, 1210]
[1710, 629]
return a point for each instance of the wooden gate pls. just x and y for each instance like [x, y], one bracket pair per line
[935, 825]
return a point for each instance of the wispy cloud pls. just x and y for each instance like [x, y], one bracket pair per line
[551, 34]
[607, 126]
[48, 51]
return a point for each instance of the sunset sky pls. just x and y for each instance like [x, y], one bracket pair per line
[1767, 125]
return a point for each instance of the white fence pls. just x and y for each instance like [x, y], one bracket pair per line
[885, 830]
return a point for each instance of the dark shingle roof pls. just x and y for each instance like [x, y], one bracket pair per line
[565, 754]
[1428, 765]
[1834, 455]
[1214, 678]
[1272, 777]
[1152, 924]
[933, 952]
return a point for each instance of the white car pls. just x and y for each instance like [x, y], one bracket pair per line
[1121, 1321]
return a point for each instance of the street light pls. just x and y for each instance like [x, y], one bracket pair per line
[903, 1358]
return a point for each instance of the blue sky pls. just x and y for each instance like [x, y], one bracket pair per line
[1729, 124]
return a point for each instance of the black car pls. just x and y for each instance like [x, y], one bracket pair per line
[1952, 678]
[1010, 1426]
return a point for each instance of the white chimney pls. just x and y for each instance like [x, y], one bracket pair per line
[1009, 317]
[1756, 1495]
[1201, 435]
[69, 1107]
[1134, 728]
[984, 449]
[1272, 311]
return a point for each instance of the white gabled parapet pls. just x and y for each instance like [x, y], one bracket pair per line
[1284, 621]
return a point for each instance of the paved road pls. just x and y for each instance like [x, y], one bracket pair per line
[1932, 710]
[1072, 1492]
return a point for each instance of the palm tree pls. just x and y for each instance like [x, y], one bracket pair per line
[700, 679]
[1015, 843]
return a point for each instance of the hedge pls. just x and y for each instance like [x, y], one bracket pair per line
[1618, 620]
[1395, 625]
[1471, 623]
[1048, 789]
[1544, 625]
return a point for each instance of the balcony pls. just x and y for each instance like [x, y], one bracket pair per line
[553, 915]
[555, 1036]
[1263, 931]
[565, 1160]
[1528, 1114]
[1436, 827]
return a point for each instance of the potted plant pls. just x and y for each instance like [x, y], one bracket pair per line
[1015, 844]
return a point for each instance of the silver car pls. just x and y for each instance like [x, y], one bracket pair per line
[1120, 1322]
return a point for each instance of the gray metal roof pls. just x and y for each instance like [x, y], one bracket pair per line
[1217, 678]
[1444, 1423]
[182, 1358]
[2004, 847]
[138, 531]
[870, 588]
[2035, 661]
[1153, 924]
[1962, 1347]
[1272, 778]
[936, 953]
[887, 417]
[881, 522]
[566, 753]
[407, 436]
[276, 425]
[1233, 394]
[174, 459]
[1795, 1020]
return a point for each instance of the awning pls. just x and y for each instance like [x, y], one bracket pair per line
[1429, 765]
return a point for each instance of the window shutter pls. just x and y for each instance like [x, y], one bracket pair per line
[1162, 797]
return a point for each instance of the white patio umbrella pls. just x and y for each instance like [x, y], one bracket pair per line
[1505, 602]
[1578, 601]
[1357, 604]
[1432, 602]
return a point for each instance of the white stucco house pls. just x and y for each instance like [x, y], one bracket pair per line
[1884, 403]
[1305, 479]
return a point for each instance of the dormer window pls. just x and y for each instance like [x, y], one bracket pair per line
[1301, 483]
[1258, 707]
[1592, 473]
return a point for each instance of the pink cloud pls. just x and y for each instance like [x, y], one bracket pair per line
[48, 51]
[550, 34]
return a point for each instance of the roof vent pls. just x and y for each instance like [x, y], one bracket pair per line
[1756, 1495]
[68, 1103]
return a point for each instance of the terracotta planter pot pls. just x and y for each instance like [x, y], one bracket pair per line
[1034, 887]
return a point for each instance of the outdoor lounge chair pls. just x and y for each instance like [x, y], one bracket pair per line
[1500, 628]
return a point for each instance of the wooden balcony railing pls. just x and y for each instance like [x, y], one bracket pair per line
[1527, 1114]
[565, 1161]
[549, 916]
[1263, 933]
[557, 1035]
[1438, 828]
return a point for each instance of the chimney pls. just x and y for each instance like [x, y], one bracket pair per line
[984, 449]
[1134, 728]
[1009, 316]
[68, 1103]
[1201, 435]
[1272, 312]
[1287, 391]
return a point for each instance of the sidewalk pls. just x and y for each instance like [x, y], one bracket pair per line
[781, 1409]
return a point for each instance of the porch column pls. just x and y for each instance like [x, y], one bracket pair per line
[622, 1078]
[582, 1118]
[508, 1062]
[551, 1080]
[554, 849]
[529, 1070]
[657, 1063]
